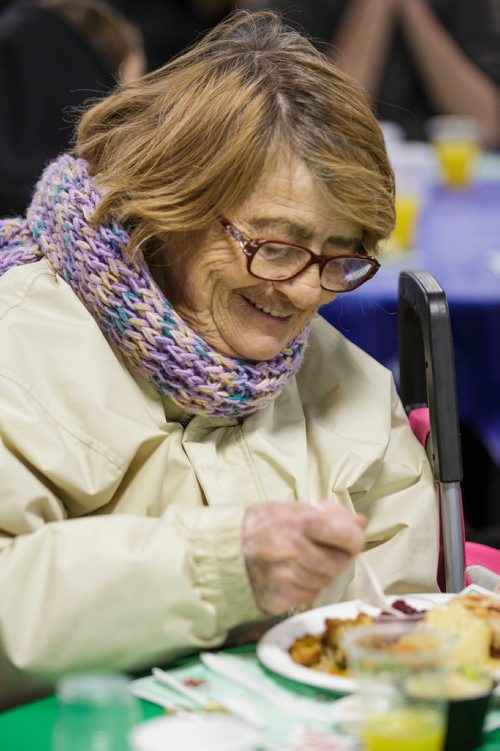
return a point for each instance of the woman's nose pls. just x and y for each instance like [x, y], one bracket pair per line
[305, 290]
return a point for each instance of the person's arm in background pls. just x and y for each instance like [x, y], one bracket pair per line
[454, 83]
[362, 42]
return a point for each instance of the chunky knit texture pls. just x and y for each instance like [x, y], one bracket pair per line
[128, 306]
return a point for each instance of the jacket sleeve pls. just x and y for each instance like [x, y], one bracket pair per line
[105, 558]
[111, 590]
[402, 509]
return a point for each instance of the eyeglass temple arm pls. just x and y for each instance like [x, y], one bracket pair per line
[235, 233]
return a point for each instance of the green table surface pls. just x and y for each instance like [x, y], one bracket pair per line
[29, 727]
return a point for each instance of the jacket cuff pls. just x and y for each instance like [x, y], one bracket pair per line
[218, 566]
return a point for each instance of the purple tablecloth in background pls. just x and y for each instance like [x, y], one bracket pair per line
[458, 242]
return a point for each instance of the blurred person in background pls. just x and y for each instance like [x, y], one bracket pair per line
[415, 58]
[54, 56]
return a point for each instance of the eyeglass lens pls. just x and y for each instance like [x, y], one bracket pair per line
[274, 261]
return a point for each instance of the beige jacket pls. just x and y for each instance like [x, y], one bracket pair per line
[120, 518]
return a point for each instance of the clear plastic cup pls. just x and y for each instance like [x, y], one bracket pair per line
[457, 141]
[401, 670]
[95, 712]
[414, 166]
[393, 132]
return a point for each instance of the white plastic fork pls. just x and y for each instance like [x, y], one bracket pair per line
[371, 589]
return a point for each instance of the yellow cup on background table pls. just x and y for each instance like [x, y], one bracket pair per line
[414, 168]
[457, 159]
[457, 144]
[407, 213]
[395, 664]
[393, 133]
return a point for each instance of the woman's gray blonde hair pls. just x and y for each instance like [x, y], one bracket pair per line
[184, 144]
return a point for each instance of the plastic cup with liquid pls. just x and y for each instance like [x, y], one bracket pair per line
[401, 669]
[457, 142]
[95, 712]
[393, 133]
[414, 168]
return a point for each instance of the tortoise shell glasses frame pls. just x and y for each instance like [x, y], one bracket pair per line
[286, 260]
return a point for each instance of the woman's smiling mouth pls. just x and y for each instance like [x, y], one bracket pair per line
[269, 311]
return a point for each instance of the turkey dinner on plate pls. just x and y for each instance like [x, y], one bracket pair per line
[307, 647]
[473, 618]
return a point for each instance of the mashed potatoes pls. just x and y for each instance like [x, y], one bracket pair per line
[473, 635]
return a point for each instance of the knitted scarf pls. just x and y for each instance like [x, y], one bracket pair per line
[128, 306]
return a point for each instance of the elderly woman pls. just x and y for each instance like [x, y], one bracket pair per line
[186, 446]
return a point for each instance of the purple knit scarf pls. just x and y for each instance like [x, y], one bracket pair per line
[128, 306]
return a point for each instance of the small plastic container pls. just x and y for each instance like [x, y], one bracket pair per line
[457, 141]
[95, 712]
[401, 670]
[414, 168]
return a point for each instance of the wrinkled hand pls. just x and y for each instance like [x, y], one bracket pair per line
[294, 550]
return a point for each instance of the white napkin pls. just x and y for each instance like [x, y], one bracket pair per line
[484, 578]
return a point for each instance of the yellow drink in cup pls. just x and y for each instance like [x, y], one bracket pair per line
[456, 141]
[401, 669]
[414, 169]
[407, 212]
[456, 159]
[404, 730]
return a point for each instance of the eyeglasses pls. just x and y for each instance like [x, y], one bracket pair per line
[278, 261]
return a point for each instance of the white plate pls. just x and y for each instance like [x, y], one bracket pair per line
[272, 649]
[211, 733]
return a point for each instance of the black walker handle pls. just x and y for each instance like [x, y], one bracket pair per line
[427, 367]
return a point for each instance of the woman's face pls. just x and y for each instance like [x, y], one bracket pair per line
[234, 312]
